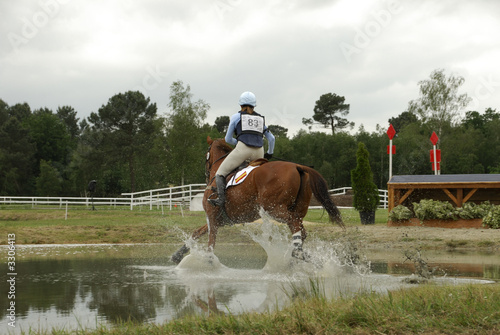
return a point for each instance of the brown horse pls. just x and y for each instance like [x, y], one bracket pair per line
[282, 189]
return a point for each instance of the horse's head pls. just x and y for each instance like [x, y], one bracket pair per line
[218, 150]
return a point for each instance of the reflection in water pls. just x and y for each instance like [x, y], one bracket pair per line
[85, 286]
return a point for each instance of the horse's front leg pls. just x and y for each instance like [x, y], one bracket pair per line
[179, 254]
[212, 236]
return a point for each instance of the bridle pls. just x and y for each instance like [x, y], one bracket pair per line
[209, 165]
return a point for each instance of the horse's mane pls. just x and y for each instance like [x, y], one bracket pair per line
[222, 145]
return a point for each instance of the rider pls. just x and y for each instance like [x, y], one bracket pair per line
[249, 127]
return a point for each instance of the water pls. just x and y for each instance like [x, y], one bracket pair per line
[80, 286]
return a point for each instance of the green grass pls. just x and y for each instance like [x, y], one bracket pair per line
[426, 309]
[49, 226]
[454, 244]
[46, 226]
[423, 309]
[350, 216]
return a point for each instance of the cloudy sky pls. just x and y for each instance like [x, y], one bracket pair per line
[82, 52]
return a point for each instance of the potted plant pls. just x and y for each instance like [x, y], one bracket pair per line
[366, 197]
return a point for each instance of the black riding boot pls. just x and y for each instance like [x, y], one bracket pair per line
[220, 181]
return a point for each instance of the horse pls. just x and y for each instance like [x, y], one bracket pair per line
[282, 189]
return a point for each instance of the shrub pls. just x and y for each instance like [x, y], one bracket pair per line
[400, 212]
[366, 196]
[492, 219]
[428, 209]
[471, 210]
[432, 209]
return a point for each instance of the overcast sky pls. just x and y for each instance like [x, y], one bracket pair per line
[82, 52]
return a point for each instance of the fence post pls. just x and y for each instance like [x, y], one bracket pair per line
[131, 201]
[150, 200]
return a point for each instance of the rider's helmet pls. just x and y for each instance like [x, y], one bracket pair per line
[248, 98]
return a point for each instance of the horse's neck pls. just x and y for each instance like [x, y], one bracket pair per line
[218, 159]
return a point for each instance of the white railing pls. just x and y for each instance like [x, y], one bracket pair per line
[171, 196]
[383, 195]
[62, 201]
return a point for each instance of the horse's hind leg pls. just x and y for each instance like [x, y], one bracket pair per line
[298, 236]
[179, 254]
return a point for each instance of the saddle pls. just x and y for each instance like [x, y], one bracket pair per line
[244, 165]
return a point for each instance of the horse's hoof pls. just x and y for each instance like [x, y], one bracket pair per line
[298, 253]
[301, 255]
[176, 258]
[179, 254]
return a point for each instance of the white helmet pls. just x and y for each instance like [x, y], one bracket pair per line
[248, 98]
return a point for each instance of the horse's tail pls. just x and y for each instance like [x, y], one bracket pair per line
[319, 188]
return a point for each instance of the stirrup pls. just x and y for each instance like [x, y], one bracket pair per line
[216, 202]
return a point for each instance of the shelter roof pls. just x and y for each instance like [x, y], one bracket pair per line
[446, 178]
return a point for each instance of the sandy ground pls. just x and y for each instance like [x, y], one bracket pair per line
[377, 236]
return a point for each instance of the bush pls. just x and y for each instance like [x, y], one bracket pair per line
[429, 209]
[471, 210]
[366, 196]
[400, 212]
[492, 219]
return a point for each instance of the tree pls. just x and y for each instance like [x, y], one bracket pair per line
[402, 120]
[186, 143]
[22, 112]
[317, 149]
[16, 155]
[123, 130]
[17, 158]
[329, 111]
[486, 146]
[48, 183]
[439, 102]
[222, 123]
[366, 196]
[50, 136]
[67, 114]
[278, 131]
[478, 121]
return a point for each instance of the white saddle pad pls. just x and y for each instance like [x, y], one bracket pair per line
[240, 176]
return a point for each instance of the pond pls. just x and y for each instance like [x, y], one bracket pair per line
[84, 286]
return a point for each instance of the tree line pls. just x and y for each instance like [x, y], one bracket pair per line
[126, 146]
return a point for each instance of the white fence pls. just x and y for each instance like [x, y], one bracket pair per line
[184, 196]
[383, 195]
[180, 195]
[171, 196]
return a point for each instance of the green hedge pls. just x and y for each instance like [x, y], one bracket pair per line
[428, 209]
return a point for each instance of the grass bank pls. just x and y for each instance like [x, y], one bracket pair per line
[104, 225]
[427, 309]
[471, 309]
[107, 225]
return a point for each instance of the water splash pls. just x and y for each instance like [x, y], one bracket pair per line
[199, 258]
[324, 259]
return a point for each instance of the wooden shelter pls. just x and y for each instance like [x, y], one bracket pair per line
[455, 188]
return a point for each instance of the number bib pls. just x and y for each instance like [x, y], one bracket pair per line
[252, 123]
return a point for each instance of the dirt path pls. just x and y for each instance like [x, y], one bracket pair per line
[378, 236]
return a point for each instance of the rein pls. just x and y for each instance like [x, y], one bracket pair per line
[210, 165]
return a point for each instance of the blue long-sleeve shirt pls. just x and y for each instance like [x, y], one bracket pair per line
[233, 122]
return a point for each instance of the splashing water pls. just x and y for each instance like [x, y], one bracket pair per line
[332, 269]
[198, 259]
[324, 258]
